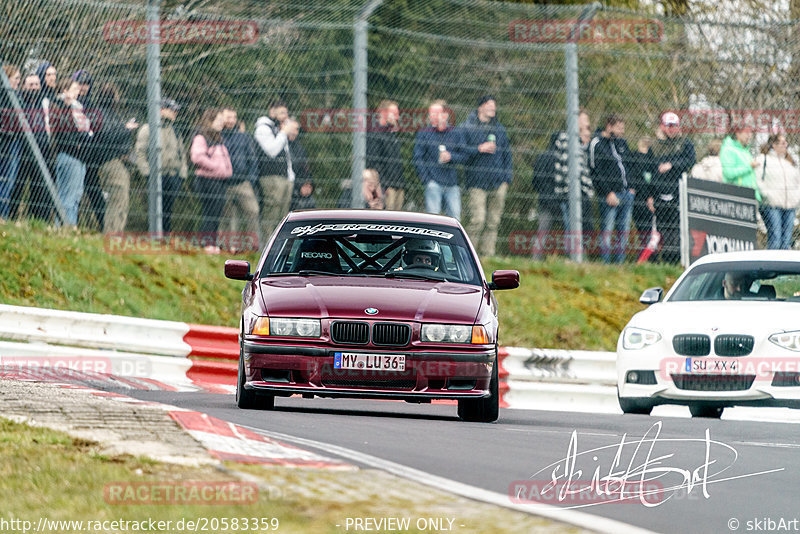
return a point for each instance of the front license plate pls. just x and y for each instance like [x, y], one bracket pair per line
[369, 362]
[712, 366]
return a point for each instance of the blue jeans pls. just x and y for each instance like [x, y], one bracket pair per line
[9, 167]
[70, 173]
[435, 193]
[616, 226]
[780, 223]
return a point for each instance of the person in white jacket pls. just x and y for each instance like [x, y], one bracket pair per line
[779, 182]
[710, 167]
[275, 165]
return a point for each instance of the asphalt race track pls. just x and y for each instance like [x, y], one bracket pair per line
[740, 477]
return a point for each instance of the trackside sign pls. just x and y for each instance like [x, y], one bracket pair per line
[716, 218]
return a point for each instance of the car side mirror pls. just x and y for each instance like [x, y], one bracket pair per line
[504, 280]
[238, 270]
[651, 296]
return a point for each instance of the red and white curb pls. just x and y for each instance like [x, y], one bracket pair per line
[227, 441]
[230, 442]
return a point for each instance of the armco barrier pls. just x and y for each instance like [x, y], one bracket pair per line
[92, 330]
[529, 378]
[559, 379]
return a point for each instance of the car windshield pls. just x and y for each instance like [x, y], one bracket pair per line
[361, 248]
[779, 281]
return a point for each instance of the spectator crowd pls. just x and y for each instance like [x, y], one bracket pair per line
[247, 182]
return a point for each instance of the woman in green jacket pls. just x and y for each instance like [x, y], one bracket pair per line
[737, 163]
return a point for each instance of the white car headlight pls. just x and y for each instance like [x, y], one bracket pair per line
[294, 327]
[446, 333]
[638, 338]
[787, 340]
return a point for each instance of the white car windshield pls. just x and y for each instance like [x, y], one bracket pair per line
[755, 280]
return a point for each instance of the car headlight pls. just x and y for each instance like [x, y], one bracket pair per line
[448, 333]
[278, 326]
[638, 338]
[787, 340]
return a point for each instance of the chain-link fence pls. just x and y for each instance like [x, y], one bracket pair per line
[472, 54]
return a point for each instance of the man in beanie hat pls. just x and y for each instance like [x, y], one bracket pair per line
[487, 173]
[672, 155]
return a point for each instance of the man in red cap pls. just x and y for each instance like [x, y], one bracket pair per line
[672, 155]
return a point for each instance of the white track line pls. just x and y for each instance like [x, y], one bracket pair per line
[572, 517]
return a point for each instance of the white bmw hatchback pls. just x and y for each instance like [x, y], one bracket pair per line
[726, 334]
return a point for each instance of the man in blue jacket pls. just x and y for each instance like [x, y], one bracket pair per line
[436, 153]
[609, 159]
[487, 173]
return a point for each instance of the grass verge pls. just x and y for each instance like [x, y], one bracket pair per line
[559, 304]
[64, 482]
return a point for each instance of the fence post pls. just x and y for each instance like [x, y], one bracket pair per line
[360, 100]
[573, 149]
[154, 210]
[61, 215]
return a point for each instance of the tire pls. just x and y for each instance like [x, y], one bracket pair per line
[248, 399]
[704, 410]
[485, 410]
[635, 405]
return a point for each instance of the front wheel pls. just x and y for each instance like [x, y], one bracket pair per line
[704, 410]
[635, 406]
[485, 410]
[248, 399]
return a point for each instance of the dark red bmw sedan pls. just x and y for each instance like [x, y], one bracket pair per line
[370, 304]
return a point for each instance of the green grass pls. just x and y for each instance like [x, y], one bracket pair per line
[559, 304]
[49, 475]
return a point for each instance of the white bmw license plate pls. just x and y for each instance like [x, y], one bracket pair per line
[369, 362]
[712, 366]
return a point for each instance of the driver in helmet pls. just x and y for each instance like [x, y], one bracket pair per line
[424, 253]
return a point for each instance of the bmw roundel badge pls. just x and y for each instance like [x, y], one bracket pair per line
[371, 311]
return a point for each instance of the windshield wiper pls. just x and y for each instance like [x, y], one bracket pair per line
[438, 277]
[310, 272]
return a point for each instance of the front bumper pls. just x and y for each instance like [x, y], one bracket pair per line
[748, 388]
[282, 369]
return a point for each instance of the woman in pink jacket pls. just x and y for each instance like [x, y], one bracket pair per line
[212, 168]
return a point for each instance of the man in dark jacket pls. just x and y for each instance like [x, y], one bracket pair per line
[303, 193]
[487, 173]
[112, 141]
[40, 202]
[383, 154]
[437, 151]
[9, 140]
[608, 161]
[672, 155]
[554, 186]
[240, 214]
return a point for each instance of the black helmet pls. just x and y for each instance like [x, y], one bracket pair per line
[422, 247]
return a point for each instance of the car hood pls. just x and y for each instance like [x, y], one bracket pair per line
[395, 300]
[720, 317]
